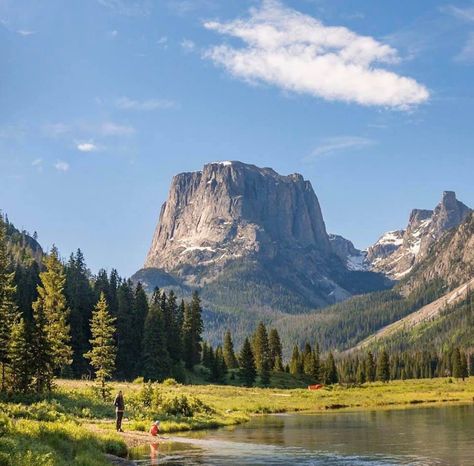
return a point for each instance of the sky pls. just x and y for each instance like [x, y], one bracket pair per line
[103, 101]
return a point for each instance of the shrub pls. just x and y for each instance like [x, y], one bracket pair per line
[170, 382]
[139, 380]
[5, 425]
[177, 406]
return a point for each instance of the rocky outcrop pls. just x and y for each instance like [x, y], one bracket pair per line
[397, 252]
[353, 258]
[234, 224]
[232, 210]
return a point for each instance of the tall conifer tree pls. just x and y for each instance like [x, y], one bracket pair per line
[228, 351]
[20, 357]
[103, 351]
[247, 369]
[52, 301]
[8, 308]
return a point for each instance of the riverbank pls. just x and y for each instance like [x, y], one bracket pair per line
[74, 426]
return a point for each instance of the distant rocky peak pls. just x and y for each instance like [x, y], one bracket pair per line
[413, 244]
[419, 215]
[449, 212]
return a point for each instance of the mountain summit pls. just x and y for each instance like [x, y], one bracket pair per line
[396, 252]
[236, 226]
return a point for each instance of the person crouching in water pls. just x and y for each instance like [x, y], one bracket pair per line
[155, 429]
[119, 404]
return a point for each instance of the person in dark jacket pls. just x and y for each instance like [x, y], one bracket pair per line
[119, 404]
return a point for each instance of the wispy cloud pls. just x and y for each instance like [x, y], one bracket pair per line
[87, 130]
[163, 42]
[297, 52]
[25, 32]
[128, 7]
[465, 14]
[188, 45]
[467, 52]
[61, 166]
[125, 103]
[330, 146]
[183, 7]
[87, 147]
[113, 129]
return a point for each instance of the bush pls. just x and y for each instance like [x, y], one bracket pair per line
[5, 425]
[139, 380]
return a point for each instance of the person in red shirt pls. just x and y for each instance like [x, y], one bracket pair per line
[155, 429]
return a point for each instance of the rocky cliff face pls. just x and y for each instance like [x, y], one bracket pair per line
[450, 259]
[232, 210]
[232, 220]
[396, 252]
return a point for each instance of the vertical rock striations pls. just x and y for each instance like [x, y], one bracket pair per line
[235, 225]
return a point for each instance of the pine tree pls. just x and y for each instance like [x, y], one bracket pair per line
[8, 308]
[192, 329]
[103, 351]
[261, 350]
[228, 351]
[361, 375]
[128, 348]
[156, 360]
[370, 367]
[139, 316]
[295, 363]
[52, 301]
[20, 357]
[43, 361]
[247, 370]
[172, 328]
[316, 374]
[276, 356]
[383, 367]
[308, 361]
[456, 363]
[464, 367]
[80, 301]
[331, 370]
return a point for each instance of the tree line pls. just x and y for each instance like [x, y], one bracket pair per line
[62, 321]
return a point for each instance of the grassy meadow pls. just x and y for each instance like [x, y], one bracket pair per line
[74, 426]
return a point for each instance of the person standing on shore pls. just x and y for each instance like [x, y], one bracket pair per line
[119, 404]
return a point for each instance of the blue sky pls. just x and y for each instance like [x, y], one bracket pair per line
[102, 102]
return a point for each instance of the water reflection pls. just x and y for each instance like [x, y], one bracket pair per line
[429, 436]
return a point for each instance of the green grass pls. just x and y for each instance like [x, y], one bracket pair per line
[74, 427]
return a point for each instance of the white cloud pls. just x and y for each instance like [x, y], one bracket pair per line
[188, 45]
[113, 129]
[296, 52]
[339, 144]
[61, 166]
[25, 32]
[86, 147]
[163, 42]
[125, 103]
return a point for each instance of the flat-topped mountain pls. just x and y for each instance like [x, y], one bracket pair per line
[236, 225]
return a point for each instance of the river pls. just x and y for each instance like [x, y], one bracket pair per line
[418, 436]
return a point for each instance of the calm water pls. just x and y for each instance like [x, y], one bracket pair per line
[425, 436]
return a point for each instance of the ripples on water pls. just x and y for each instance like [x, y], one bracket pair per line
[221, 453]
[417, 437]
